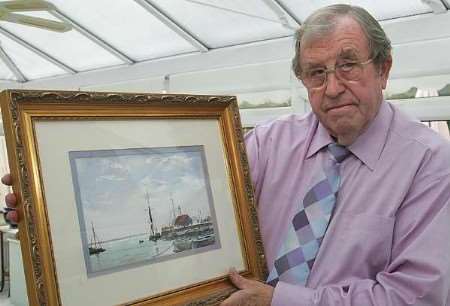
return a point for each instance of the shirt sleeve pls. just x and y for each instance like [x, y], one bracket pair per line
[255, 159]
[418, 272]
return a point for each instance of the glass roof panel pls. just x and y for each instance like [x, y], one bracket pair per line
[29, 63]
[220, 23]
[6, 73]
[71, 48]
[127, 26]
[380, 9]
[132, 30]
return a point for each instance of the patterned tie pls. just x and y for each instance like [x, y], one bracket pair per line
[307, 229]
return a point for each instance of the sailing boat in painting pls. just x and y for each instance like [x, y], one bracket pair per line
[154, 234]
[95, 246]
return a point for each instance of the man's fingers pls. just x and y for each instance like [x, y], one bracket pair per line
[13, 216]
[11, 200]
[7, 179]
[251, 293]
[233, 300]
[239, 281]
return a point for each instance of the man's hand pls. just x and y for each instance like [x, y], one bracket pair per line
[251, 293]
[11, 201]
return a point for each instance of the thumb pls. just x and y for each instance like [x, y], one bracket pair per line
[239, 281]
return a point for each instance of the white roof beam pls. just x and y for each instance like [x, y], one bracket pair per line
[37, 51]
[282, 12]
[156, 12]
[93, 37]
[14, 69]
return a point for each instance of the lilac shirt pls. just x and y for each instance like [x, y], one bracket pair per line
[388, 242]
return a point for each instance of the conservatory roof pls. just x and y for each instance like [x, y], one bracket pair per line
[121, 33]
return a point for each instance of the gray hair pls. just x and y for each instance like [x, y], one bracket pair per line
[323, 22]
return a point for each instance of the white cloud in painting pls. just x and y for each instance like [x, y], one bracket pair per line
[113, 189]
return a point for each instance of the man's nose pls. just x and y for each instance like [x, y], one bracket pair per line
[334, 85]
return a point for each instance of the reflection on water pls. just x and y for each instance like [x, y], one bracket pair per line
[129, 251]
[140, 250]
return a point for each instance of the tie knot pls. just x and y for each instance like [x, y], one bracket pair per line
[339, 152]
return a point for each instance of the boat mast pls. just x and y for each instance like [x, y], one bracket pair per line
[173, 209]
[147, 197]
[94, 242]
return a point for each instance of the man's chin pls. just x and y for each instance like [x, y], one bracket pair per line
[345, 131]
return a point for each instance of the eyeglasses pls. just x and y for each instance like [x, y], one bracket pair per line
[348, 71]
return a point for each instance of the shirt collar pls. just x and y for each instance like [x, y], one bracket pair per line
[321, 139]
[368, 146]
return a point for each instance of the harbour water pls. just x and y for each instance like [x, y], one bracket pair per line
[130, 251]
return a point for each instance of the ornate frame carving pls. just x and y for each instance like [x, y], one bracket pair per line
[21, 108]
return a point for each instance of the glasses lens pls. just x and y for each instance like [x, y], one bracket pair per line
[314, 78]
[349, 71]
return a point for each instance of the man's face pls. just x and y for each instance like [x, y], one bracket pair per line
[345, 108]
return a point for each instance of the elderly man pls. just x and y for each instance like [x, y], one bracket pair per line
[353, 198]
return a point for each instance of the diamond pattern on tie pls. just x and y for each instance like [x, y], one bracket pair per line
[307, 229]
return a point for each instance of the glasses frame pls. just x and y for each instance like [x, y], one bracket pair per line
[334, 70]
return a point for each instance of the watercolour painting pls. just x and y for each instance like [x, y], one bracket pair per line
[143, 205]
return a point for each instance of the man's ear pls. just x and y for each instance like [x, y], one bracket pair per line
[385, 68]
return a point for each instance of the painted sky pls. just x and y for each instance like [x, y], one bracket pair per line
[113, 185]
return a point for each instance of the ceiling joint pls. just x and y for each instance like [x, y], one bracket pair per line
[283, 14]
[446, 3]
[37, 51]
[12, 66]
[173, 25]
[437, 6]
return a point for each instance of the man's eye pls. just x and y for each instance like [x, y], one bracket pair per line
[347, 66]
[316, 73]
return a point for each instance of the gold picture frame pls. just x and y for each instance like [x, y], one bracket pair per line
[65, 147]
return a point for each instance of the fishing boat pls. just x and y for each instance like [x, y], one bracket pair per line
[188, 234]
[202, 241]
[154, 234]
[95, 246]
[182, 244]
[193, 237]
